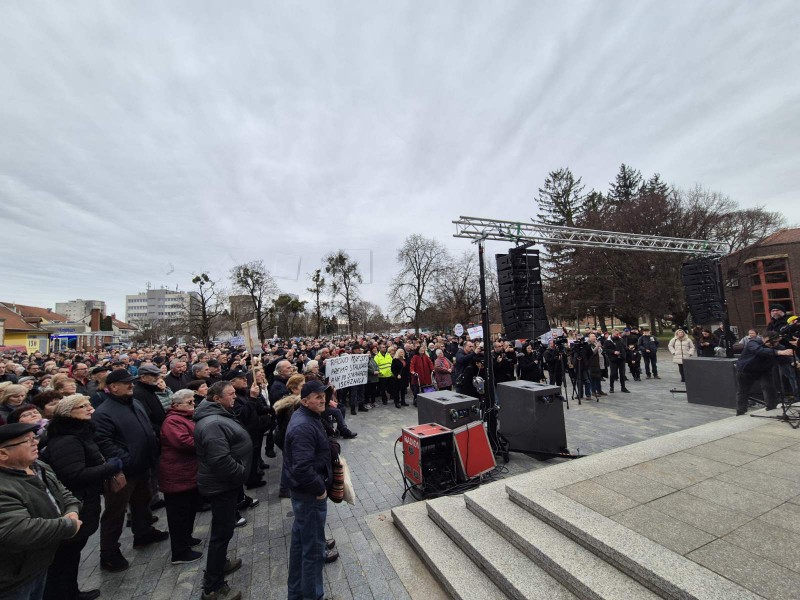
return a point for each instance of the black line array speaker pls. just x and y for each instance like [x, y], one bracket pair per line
[701, 285]
[519, 276]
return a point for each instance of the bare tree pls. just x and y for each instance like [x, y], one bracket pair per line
[205, 308]
[411, 291]
[317, 289]
[255, 281]
[345, 279]
[457, 289]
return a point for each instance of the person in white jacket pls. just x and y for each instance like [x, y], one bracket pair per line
[681, 346]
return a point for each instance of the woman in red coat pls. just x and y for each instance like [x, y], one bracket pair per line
[177, 477]
[421, 369]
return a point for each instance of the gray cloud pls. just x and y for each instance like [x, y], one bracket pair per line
[137, 137]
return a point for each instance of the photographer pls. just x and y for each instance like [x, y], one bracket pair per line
[504, 362]
[597, 363]
[528, 361]
[755, 364]
[581, 356]
[552, 359]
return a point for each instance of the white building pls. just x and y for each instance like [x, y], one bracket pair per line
[156, 305]
[79, 310]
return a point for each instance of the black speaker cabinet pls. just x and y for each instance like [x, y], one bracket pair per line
[532, 417]
[447, 408]
[710, 381]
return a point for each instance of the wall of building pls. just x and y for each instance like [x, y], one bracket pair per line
[757, 277]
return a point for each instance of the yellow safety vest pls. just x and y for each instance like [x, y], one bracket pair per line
[384, 362]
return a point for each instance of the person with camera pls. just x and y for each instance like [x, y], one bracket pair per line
[755, 364]
[552, 359]
[617, 355]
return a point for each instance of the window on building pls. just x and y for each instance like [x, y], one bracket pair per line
[769, 284]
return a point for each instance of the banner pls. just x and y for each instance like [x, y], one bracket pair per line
[237, 340]
[347, 370]
[475, 332]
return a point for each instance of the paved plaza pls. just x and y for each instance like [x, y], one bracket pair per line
[363, 571]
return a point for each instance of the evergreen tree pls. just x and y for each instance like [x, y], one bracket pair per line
[561, 200]
[626, 186]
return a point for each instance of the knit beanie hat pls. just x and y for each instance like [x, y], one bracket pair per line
[65, 405]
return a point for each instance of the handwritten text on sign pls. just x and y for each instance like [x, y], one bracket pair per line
[345, 371]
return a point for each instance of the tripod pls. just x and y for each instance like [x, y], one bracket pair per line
[789, 412]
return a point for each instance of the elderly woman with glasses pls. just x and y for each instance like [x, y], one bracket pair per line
[12, 396]
[79, 465]
[177, 476]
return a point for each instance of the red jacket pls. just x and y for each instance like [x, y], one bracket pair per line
[422, 365]
[178, 467]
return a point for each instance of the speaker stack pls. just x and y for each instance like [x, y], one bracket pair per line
[703, 291]
[519, 276]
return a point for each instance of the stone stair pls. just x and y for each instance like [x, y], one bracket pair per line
[521, 538]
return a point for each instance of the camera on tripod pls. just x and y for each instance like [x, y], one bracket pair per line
[561, 341]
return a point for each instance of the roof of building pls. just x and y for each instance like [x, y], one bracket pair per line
[122, 324]
[783, 236]
[36, 312]
[15, 322]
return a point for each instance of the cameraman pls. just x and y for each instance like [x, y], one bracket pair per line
[552, 358]
[755, 364]
[581, 359]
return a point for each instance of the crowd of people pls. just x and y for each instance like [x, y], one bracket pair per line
[99, 439]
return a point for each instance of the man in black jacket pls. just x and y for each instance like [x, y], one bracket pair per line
[617, 354]
[176, 379]
[145, 392]
[277, 389]
[755, 364]
[307, 456]
[648, 346]
[224, 453]
[122, 429]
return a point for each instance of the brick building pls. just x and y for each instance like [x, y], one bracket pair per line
[765, 273]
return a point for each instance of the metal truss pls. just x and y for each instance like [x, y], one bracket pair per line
[476, 228]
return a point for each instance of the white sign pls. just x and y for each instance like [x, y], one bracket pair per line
[237, 340]
[458, 329]
[553, 333]
[347, 370]
[250, 330]
[475, 332]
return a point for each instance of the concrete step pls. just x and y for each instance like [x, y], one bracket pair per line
[667, 572]
[462, 579]
[511, 570]
[584, 573]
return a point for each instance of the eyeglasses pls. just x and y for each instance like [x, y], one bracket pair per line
[31, 440]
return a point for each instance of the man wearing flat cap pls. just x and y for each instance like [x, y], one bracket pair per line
[145, 390]
[122, 429]
[36, 514]
[307, 459]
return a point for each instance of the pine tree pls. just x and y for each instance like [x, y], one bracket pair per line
[561, 199]
[626, 187]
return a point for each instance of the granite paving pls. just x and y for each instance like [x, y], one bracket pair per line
[363, 571]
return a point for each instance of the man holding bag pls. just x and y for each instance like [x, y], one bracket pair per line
[307, 458]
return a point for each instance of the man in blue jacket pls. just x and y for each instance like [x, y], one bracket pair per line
[755, 364]
[307, 457]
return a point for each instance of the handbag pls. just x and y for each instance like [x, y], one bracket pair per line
[336, 493]
[115, 483]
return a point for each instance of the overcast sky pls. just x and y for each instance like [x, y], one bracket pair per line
[146, 141]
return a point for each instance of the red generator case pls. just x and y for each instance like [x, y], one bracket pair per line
[429, 458]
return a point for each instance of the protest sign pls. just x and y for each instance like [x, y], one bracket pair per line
[475, 332]
[347, 370]
[250, 331]
[458, 329]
